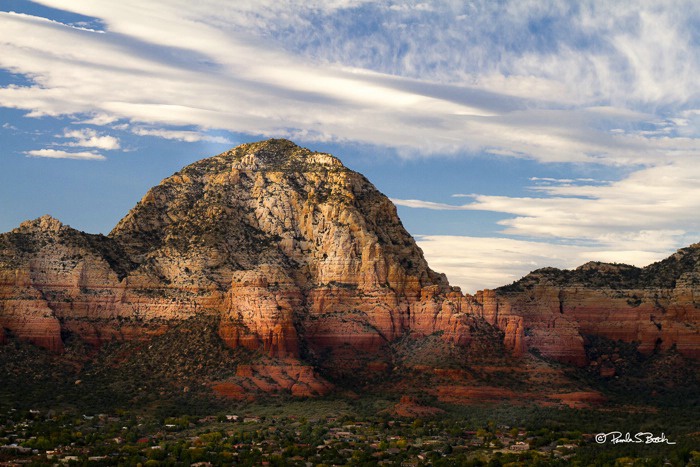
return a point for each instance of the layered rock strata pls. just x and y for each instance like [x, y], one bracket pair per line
[553, 311]
[299, 256]
[302, 260]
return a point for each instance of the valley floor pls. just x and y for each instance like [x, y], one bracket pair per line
[336, 431]
[153, 404]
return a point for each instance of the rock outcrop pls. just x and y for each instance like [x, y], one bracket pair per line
[55, 280]
[657, 307]
[303, 262]
[298, 256]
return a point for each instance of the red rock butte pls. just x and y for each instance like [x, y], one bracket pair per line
[305, 261]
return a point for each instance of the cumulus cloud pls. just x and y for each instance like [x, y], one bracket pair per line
[88, 138]
[59, 154]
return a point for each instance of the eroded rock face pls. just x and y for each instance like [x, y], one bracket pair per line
[299, 256]
[259, 312]
[534, 322]
[657, 307]
[54, 280]
[303, 261]
[302, 249]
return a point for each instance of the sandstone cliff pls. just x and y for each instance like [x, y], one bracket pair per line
[298, 257]
[54, 279]
[303, 262]
[553, 311]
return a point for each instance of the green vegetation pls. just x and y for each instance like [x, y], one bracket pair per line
[135, 411]
[144, 402]
[338, 431]
[668, 380]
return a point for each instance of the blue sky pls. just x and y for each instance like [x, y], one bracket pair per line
[512, 135]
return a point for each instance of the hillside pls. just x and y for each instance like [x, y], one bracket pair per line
[657, 307]
[290, 253]
[272, 269]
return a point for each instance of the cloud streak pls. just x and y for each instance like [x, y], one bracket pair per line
[475, 263]
[180, 135]
[59, 154]
[646, 214]
[415, 90]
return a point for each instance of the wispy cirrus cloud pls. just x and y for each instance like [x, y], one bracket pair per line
[180, 135]
[60, 154]
[544, 81]
[421, 204]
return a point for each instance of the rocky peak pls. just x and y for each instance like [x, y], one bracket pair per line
[295, 256]
[45, 223]
[598, 266]
[268, 155]
[667, 272]
[274, 202]
[280, 154]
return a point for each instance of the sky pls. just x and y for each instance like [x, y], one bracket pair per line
[512, 135]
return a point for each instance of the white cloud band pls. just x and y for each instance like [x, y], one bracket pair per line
[58, 154]
[236, 71]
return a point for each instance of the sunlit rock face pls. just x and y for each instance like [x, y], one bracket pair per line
[303, 262]
[299, 256]
[657, 307]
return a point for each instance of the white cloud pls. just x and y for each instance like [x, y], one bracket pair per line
[316, 70]
[89, 138]
[599, 82]
[660, 199]
[646, 214]
[563, 181]
[58, 154]
[476, 263]
[420, 204]
[181, 135]
[98, 120]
